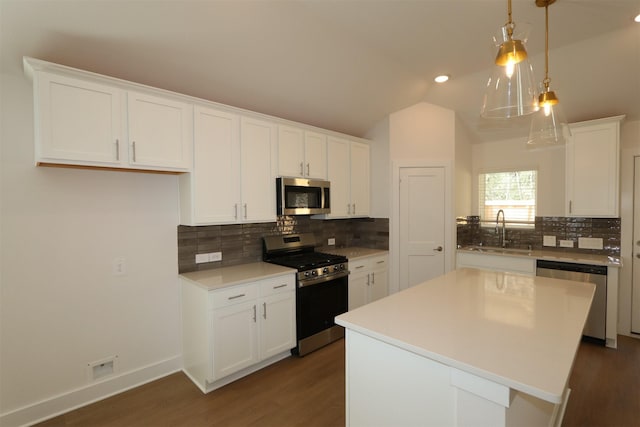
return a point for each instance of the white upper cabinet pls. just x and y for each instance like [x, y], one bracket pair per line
[258, 170]
[301, 153]
[592, 168]
[233, 178]
[160, 132]
[85, 119]
[348, 171]
[78, 122]
[210, 194]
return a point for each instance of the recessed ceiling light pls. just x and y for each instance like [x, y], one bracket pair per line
[637, 18]
[441, 79]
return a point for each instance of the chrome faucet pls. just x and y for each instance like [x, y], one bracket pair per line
[502, 237]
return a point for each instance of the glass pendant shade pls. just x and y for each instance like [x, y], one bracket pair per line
[511, 89]
[548, 125]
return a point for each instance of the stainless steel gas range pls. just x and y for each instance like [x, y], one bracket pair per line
[321, 288]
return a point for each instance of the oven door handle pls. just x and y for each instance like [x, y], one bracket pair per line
[322, 279]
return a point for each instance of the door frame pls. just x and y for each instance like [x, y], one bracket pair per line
[449, 223]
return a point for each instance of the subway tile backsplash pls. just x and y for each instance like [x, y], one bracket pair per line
[471, 231]
[242, 243]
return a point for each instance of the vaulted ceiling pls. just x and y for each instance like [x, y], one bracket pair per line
[337, 64]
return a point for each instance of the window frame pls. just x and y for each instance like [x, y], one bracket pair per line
[490, 222]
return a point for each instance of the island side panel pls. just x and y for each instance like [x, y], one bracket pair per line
[388, 386]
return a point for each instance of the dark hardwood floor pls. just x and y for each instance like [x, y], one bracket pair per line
[309, 391]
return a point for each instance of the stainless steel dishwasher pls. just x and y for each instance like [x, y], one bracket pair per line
[596, 274]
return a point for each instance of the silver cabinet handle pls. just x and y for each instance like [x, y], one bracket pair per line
[354, 209]
[301, 168]
[368, 280]
[134, 151]
[373, 278]
[570, 205]
[254, 314]
[117, 149]
[438, 249]
[236, 209]
[308, 170]
[360, 266]
[280, 286]
[637, 255]
[380, 262]
[349, 208]
[245, 211]
[264, 306]
[236, 296]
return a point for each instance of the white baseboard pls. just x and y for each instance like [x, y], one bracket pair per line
[91, 393]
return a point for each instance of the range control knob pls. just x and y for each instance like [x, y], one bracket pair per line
[325, 270]
[307, 274]
[341, 266]
[336, 267]
[314, 273]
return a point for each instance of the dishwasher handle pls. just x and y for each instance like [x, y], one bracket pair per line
[572, 266]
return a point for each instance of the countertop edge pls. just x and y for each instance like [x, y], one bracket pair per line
[256, 271]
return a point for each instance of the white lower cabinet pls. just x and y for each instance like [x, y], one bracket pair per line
[231, 332]
[368, 280]
[508, 264]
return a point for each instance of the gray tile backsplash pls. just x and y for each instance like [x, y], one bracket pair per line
[242, 243]
[471, 232]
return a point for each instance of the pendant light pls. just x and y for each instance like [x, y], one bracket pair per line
[511, 90]
[548, 126]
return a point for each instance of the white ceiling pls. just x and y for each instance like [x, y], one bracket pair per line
[337, 64]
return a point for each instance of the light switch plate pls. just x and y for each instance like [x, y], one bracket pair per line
[590, 242]
[215, 256]
[566, 243]
[331, 241]
[549, 241]
[200, 258]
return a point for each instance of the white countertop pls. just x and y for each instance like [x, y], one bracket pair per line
[547, 255]
[519, 331]
[229, 276]
[353, 252]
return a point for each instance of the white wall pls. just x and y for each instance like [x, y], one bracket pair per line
[463, 168]
[630, 147]
[61, 305]
[380, 169]
[512, 154]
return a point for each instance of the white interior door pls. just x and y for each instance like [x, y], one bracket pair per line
[421, 224]
[635, 301]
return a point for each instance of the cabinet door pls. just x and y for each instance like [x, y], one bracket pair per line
[359, 282]
[278, 324]
[338, 173]
[315, 149]
[160, 132]
[360, 199]
[592, 170]
[78, 122]
[258, 160]
[290, 152]
[234, 338]
[216, 170]
[379, 287]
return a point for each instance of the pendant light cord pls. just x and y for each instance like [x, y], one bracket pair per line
[546, 80]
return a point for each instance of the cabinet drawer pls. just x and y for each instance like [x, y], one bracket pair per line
[379, 262]
[233, 295]
[276, 285]
[359, 265]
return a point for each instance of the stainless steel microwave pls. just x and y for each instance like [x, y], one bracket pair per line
[301, 196]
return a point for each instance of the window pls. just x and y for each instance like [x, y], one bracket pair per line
[514, 192]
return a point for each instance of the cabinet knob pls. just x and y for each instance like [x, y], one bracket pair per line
[438, 249]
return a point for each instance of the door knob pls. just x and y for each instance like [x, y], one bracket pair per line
[438, 249]
[637, 255]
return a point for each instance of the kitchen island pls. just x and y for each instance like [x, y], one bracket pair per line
[472, 347]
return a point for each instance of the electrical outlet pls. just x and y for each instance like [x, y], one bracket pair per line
[215, 256]
[549, 241]
[331, 241]
[566, 243]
